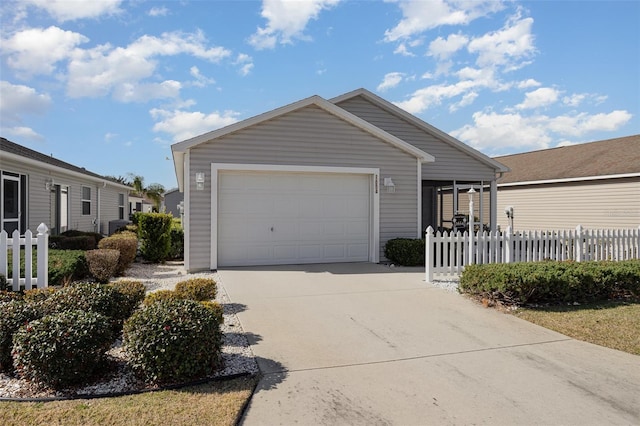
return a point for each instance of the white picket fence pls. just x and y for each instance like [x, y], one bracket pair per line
[447, 253]
[15, 243]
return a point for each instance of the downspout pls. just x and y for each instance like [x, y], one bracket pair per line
[493, 202]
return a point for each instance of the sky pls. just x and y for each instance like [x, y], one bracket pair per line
[110, 85]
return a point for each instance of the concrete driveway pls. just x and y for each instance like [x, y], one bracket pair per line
[364, 344]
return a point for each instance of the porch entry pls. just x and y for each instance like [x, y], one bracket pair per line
[13, 202]
[445, 201]
[59, 202]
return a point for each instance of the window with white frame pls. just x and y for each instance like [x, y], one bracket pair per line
[120, 206]
[86, 201]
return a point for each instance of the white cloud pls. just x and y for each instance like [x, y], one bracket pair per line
[444, 48]
[200, 80]
[541, 97]
[402, 50]
[287, 20]
[419, 15]
[136, 92]
[69, 10]
[16, 100]
[183, 125]
[246, 64]
[104, 69]
[158, 11]
[492, 132]
[466, 100]
[37, 51]
[526, 84]
[508, 47]
[22, 133]
[390, 81]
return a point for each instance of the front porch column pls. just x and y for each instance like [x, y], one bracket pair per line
[493, 206]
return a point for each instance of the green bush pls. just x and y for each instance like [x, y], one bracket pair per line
[9, 295]
[37, 295]
[102, 263]
[216, 309]
[62, 349]
[177, 243]
[3, 283]
[131, 295]
[15, 314]
[173, 340]
[197, 289]
[66, 266]
[81, 242]
[160, 296]
[127, 244]
[75, 233]
[154, 229]
[103, 299]
[405, 251]
[550, 281]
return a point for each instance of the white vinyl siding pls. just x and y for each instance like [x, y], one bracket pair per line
[598, 204]
[313, 137]
[451, 163]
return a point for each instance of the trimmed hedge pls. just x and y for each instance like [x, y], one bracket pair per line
[65, 266]
[160, 296]
[173, 340]
[154, 229]
[177, 243]
[131, 293]
[127, 244]
[102, 263]
[550, 281]
[62, 349]
[15, 314]
[405, 251]
[198, 289]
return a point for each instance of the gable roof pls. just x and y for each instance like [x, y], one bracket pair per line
[424, 126]
[180, 148]
[608, 158]
[21, 153]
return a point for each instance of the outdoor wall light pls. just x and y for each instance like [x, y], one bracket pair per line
[389, 185]
[48, 184]
[200, 181]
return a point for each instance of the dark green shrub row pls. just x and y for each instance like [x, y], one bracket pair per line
[15, 314]
[75, 240]
[154, 231]
[64, 266]
[62, 349]
[131, 295]
[405, 251]
[550, 281]
[177, 243]
[102, 263]
[173, 340]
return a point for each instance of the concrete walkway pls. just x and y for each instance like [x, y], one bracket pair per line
[364, 344]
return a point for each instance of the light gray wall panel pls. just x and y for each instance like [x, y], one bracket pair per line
[312, 137]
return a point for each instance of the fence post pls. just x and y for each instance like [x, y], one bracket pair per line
[3, 253]
[43, 256]
[428, 257]
[508, 249]
[579, 244]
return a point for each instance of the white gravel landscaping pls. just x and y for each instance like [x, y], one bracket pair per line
[236, 352]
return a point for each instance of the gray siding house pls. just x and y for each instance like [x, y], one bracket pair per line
[37, 188]
[595, 184]
[320, 181]
[172, 200]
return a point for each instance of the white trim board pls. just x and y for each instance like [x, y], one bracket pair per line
[374, 239]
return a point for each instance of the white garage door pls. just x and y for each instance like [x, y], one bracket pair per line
[271, 218]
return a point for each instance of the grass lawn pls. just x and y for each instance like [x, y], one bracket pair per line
[612, 324]
[214, 403]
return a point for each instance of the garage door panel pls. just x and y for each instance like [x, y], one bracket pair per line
[287, 218]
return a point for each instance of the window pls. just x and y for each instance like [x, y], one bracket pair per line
[120, 206]
[86, 200]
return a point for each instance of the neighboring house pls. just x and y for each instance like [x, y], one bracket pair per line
[596, 185]
[320, 181]
[172, 200]
[37, 188]
[138, 203]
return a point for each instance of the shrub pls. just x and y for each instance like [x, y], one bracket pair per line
[126, 244]
[177, 243]
[38, 295]
[154, 231]
[549, 281]
[62, 349]
[197, 289]
[75, 233]
[66, 266]
[173, 340]
[102, 299]
[216, 309]
[102, 263]
[405, 251]
[9, 295]
[160, 296]
[15, 314]
[131, 295]
[3, 283]
[81, 242]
